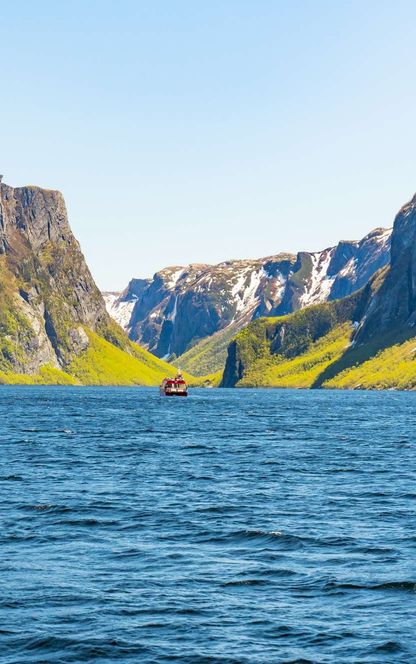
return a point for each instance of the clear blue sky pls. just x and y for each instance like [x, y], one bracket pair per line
[199, 131]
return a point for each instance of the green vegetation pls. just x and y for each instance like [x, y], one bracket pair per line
[302, 370]
[102, 363]
[208, 355]
[47, 376]
[210, 380]
[109, 359]
[270, 341]
[391, 367]
[312, 348]
[16, 333]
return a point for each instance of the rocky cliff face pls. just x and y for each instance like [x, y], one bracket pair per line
[394, 304]
[47, 294]
[181, 305]
[335, 272]
[172, 312]
[120, 305]
[366, 340]
[268, 344]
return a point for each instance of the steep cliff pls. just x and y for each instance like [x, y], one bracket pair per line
[258, 353]
[51, 311]
[366, 340]
[191, 313]
[181, 305]
[336, 272]
[394, 305]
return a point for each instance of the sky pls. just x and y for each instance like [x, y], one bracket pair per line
[194, 131]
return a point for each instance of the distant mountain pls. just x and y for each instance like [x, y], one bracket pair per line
[192, 312]
[54, 326]
[335, 272]
[365, 340]
[181, 305]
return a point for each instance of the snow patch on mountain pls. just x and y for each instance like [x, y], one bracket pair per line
[245, 289]
[384, 238]
[182, 304]
[349, 269]
[319, 286]
[119, 310]
[174, 278]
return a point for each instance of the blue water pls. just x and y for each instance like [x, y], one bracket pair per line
[232, 526]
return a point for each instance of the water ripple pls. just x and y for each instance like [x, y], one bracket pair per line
[234, 527]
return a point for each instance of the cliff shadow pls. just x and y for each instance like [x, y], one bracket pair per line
[357, 355]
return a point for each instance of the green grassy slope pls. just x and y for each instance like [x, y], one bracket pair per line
[267, 342]
[391, 367]
[314, 348]
[102, 363]
[105, 364]
[208, 355]
[297, 351]
[47, 376]
[303, 370]
[110, 358]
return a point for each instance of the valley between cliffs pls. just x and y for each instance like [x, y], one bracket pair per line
[364, 341]
[54, 327]
[341, 318]
[189, 314]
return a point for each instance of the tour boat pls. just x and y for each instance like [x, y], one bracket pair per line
[174, 387]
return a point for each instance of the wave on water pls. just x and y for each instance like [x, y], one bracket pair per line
[400, 586]
[240, 527]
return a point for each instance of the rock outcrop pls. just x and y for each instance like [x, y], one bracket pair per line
[366, 340]
[335, 272]
[266, 342]
[49, 303]
[183, 305]
[394, 304]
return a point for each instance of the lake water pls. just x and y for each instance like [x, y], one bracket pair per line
[232, 526]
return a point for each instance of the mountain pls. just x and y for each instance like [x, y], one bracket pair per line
[192, 312]
[295, 349]
[394, 306]
[182, 305]
[335, 272]
[54, 326]
[366, 340]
